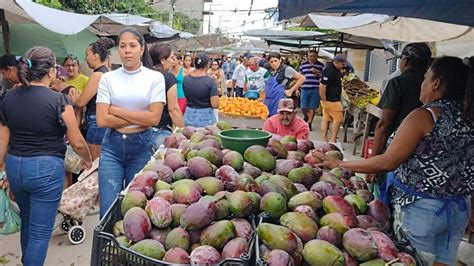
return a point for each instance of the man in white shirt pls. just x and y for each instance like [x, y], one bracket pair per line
[255, 76]
[238, 78]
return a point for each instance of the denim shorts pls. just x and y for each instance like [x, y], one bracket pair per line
[309, 99]
[433, 236]
[95, 134]
[199, 117]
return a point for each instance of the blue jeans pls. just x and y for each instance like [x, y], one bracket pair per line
[121, 157]
[37, 183]
[435, 237]
[199, 117]
[239, 92]
[309, 99]
[95, 134]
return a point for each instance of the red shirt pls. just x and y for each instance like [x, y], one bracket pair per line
[298, 128]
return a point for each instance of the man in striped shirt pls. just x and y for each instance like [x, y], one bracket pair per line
[311, 69]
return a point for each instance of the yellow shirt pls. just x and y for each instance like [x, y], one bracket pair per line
[78, 82]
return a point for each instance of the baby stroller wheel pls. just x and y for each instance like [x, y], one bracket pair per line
[76, 234]
[66, 224]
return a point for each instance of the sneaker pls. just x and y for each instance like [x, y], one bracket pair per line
[310, 127]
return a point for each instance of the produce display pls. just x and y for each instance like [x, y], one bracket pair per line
[358, 91]
[238, 106]
[195, 204]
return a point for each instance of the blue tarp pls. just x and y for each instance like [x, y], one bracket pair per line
[450, 11]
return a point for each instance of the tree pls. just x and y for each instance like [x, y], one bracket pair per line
[180, 22]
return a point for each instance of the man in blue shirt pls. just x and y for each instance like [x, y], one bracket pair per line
[228, 67]
[311, 69]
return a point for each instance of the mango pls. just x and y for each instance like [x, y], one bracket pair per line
[210, 185]
[325, 188]
[304, 145]
[374, 262]
[170, 142]
[166, 194]
[186, 194]
[274, 204]
[279, 257]
[182, 173]
[277, 149]
[178, 237]
[205, 255]
[233, 159]
[296, 155]
[235, 248]
[191, 154]
[385, 246]
[188, 131]
[161, 185]
[366, 221]
[176, 255]
[246, 183]
[177, 210]
[259, 157]
[350, 261]
[250, 170]
[359, 244]
[144, 182]
[123, 241]
[326, 176]
[289, 142]
[136, 224]
[357, 202]
[218, 234]
[197, 137]
[379, 211]
[286, 184]
[152, 165]
[300, 187]
[223, 125]
[357, 182]
[222, 209]
[406, 259]
[311, 160]
[330, 235]
[200, 167]
[189, 182]
[277, 237]
[227, 175]
[283, 167]
[174, 161]
[159, 234]
[269, 186]
[242, 228]
[150, 248]
[305, 175]
[209, 143]
[133, 198]
[194, 236]
[159, 212]
[335, 155]
[321, 253]
[338, 221]
[240, 203]
[365, 194]
[336, 203]
[256, 198]
[118, 228]
[198, 215]
[212, 154]
[303, 226]
[309, 198]
[306, 210]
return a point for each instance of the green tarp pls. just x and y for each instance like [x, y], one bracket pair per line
[25, 36]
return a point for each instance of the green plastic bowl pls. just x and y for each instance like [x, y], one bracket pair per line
[240, 139]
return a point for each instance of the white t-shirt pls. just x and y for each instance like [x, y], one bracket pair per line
[239, 75]
[132, 90]
[255, 79]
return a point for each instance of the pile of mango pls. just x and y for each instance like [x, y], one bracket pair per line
[238, 106]
[194, 205]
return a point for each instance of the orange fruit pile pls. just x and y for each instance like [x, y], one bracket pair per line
[238, 106]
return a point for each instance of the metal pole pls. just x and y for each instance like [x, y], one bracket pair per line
[171, 15]
[209, 25]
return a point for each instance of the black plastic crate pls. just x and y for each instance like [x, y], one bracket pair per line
[107, 251]
[264, 218]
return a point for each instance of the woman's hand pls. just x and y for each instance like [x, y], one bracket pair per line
[86, 165]
[4, 183]
[74, 95]
[288, 93]
[330, 164]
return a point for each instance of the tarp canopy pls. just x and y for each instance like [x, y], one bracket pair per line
[450, 11]
[162, 32]
[283, 34]
[388, 27]
[25, 36]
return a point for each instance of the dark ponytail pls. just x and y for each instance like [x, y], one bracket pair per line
[159, 52]
[457, 77]
[35, 64]
[101, 47]
[201, 61]
[146, 59]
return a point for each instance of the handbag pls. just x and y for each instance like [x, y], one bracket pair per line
[10, 221]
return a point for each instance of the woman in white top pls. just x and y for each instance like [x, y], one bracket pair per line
[130, 101]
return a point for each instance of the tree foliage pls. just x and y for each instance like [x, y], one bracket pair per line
[181, 21]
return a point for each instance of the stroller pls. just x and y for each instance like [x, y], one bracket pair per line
[76, 202]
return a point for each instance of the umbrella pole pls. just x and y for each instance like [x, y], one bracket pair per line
[5, 31]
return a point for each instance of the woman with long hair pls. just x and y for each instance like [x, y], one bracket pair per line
[32, 148]
[130, 102]
[217, 74]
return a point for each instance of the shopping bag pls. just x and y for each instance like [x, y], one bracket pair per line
[10, 222]
[72, 161]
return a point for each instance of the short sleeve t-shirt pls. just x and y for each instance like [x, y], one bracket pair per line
[284, 75]
[78, 82]
[39, 129]
[170, 81]
[311, 82]
[132, 90]
[199, 90]
[239, 75]
[402, 94]
[256, 79]
[298, 128]
[331, 77]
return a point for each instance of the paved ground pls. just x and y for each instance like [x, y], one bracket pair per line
[61, 252]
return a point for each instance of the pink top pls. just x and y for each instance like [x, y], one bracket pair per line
[298, 128]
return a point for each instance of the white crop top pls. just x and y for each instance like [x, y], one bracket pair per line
[132, 90]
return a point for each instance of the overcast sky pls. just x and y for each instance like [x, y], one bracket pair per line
[233, 16]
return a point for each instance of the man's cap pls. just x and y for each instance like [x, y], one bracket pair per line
[247, 55]
[286, 105]
[340, 58]
[62, 72]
